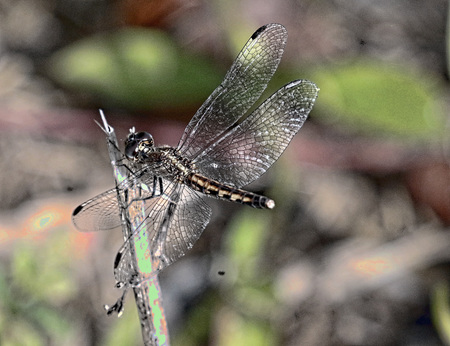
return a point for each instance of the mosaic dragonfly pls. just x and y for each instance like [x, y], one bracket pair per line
[221, 151]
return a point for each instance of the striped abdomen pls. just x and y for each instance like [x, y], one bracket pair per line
[214, 188]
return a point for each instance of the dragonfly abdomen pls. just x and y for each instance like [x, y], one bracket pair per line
[213, 188]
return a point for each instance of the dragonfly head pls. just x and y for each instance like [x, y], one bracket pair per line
[138, 145]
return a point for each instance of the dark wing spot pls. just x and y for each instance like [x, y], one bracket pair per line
[117, 259]
[259, 31]
[77, 210]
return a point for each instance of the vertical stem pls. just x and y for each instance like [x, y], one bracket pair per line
[148, 293]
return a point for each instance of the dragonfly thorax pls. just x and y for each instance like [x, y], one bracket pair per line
[174, 164]
[163, 161]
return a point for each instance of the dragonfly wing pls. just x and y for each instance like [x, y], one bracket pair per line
[249, 149]
[191, 217]
[102, 211]
[98, 213]
[174, 222]
[243, 85]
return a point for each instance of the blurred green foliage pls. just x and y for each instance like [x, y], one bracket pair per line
[198, 326]
[248, 316]
[42, 275]
[139, 69]
[240, 312]
[246, 237]
[135, 68]
[127, 328]
[379, 100]
[33, 291]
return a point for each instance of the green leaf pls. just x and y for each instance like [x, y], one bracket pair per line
[135, 68]
[379, 100]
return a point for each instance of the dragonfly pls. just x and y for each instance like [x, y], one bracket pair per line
[223, 148]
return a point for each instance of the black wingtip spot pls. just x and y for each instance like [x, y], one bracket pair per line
[221, 272]
[77, 210]
[259, 31]
[117, 259]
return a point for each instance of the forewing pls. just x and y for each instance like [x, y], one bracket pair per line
[249, 149]
[102, 211]
[98, 213]
[187, 219]
[242, 86]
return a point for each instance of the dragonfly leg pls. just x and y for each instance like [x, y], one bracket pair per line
[118, 306]
[156, 180]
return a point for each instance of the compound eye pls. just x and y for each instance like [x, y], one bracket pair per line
[130, 148]
[144, 136]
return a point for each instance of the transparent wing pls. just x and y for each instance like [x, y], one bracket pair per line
[250, 148]
[185, 215]
[242, 86]
[98, 213]
[102, 211]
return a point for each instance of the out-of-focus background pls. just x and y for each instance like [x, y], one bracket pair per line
[355, 253]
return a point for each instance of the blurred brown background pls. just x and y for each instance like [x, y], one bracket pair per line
[356, 251]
